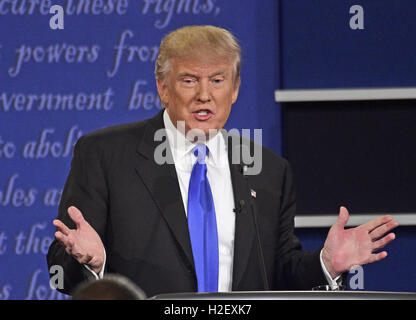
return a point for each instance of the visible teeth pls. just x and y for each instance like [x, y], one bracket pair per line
[202, 113]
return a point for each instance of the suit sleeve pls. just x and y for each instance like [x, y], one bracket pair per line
[296, 269]
[86, 189]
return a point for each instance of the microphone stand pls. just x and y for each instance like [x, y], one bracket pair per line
[256, 226]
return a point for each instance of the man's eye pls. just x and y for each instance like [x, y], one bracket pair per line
[188, 81]
[218, 80]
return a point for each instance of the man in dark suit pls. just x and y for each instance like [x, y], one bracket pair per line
[127, 207]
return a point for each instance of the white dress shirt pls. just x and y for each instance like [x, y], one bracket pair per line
[219, 177]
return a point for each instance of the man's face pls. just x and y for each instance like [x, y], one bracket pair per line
[199, 93]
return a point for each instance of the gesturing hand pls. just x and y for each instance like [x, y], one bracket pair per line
[345, 248]
[83, 243]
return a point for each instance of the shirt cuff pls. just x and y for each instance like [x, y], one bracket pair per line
[101, 274]
[332, 282]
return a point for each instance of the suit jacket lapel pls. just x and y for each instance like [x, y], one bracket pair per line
[162, 183]
[244, 230]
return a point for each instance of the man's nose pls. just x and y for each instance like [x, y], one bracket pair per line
[204, 94]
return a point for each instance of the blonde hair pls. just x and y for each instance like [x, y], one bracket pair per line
[208, 41]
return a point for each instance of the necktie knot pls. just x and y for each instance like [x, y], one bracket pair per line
[200, 151]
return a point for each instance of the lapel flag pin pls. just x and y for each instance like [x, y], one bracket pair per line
[253, 193]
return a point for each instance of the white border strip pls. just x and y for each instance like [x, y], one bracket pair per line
[311, 221]
[345, 94]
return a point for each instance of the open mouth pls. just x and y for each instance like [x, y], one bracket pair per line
[202, 114]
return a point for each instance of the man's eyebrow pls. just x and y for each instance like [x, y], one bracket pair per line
[186, 74]
[189, 74]
[218, 73]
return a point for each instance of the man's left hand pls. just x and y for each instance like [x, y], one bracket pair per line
[346, 248]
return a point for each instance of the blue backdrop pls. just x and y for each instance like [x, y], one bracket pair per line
[56, 85]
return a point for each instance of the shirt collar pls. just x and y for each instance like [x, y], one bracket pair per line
[181, 146]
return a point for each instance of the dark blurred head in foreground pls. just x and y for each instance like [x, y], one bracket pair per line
[111, 287]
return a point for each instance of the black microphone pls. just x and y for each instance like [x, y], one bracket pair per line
[239, 207]
[257, 231]
[243, 169]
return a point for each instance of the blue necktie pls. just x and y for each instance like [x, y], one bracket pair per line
[202, 224]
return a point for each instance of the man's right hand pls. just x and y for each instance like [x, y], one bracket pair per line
[83, 243]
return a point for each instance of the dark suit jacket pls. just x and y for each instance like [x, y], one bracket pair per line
[136, 207]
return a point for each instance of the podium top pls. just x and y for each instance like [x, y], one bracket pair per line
[290, 295]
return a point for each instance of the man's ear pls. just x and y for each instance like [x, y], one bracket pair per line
[163, 92]
[236, 90]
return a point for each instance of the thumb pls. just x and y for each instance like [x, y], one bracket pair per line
[76, 216]
[342, 217]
